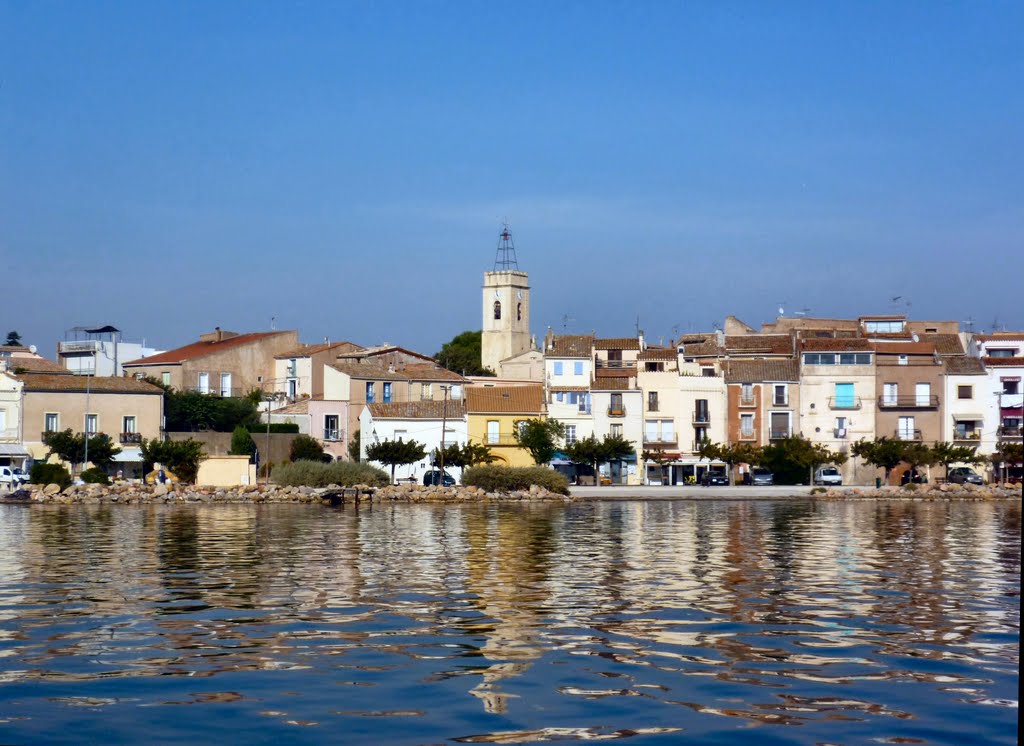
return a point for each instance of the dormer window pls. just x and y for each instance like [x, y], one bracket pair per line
[892, 326]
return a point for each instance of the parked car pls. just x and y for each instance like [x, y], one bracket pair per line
[912, 476]
[713, 476]
[12, 477]
[964, 475]
[828, 475]
[759, 477]
[433, 477]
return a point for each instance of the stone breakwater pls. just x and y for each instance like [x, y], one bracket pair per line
[928, 492]
[134, 494]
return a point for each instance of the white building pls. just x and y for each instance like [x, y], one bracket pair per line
[99, 351]
[415, 420]
[568, 371]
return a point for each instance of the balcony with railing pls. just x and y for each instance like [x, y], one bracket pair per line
[701, 416]
[844, 402]
[904, 434]
[500, 440]
[912, 401]
[616, 411]
[87, 345]
[748, 400]
[332, 435]
[131, 438]
[652, 406]
[617, 364]
[966, 436]
[780, 434]
[1006, 432]
[839, 433]
[660, 439]
[748, 435]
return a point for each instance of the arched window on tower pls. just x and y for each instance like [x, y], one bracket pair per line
[519, 311]
[497, 309]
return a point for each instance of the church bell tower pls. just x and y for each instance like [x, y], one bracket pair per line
[506, 307]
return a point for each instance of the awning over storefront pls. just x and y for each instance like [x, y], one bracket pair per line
[13, 449]
[129, 454]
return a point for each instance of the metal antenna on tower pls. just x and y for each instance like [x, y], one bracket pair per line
[505, 256]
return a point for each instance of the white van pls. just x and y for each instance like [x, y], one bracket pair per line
[12, 477]
[828, 475]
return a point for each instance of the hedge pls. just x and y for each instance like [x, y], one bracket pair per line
[95, 475]
[43, 473]
[275, 427]
[514, 478]
[317, 474]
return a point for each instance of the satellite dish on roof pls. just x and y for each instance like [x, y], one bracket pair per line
[915, 337]
[32, 349]
[782, 311]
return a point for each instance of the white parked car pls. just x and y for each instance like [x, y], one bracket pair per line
[828, 475]
[12, 477]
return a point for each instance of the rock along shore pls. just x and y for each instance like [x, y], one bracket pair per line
[926, 492]
[136, 494]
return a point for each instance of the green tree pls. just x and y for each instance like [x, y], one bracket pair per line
[191, 411]
[592, 452]
[354, 446]
[69, 446]
[13, 339]
[305, 448]
[242, 443]
[1006, 455]
[540, 437]
[465, 455]
[948, 454]
[660, 458]
[179, 456]
[884, 452]
[395, 452]
[790, 459]
[462, 355]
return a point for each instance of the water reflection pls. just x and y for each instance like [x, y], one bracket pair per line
[515, 624]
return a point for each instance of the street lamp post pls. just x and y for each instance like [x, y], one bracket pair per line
[444, 421]
[88, 381]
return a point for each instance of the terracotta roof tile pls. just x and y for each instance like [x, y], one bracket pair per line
[697, 338]
[201, 349]
[958, 365]
[419, 410]
[754, 371]
[846, 344]
[748, 344]
[299, 407]
[905, 348]
[945, 344]
[308, 350]
[1000, 337]
[36, 365]
[611, 384]
[890, 335]
[708, 348]
[571, 345]
[617, 343]
[1004, 362]
[365, 353]
[657, 354]
[94, 384]
[505, 399]
[410, 372]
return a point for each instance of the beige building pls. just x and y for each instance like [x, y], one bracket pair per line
[125, 409]
[221, 362]
[299, 373]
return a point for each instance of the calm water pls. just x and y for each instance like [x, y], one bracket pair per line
[656, 622]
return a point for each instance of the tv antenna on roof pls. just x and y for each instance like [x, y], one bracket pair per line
[802, 312]
[566, 318]
[969, 323]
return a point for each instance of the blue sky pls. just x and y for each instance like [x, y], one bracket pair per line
[345, 167]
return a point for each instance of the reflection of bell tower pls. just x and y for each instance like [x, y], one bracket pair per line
[506, 307]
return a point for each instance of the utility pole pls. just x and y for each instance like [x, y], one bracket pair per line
[444, 421]
[88, 381]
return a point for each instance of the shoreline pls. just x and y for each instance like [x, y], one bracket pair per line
[137, 494]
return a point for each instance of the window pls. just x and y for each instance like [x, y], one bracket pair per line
[922, 394]
[651, 431]
[906, 431]
[701, 412]
[52, 422]
[577, 368]
[204, 383]
[707, 372]
[700, 434]
[519, 311]
[890, 394]
[492, 431]
[1011, 386]
[746, 393]
[369, 392]
[747, 425]
[293, 389]
[616, 431]
[426, 392]
[387, 392]
[884, 327]
[128, 424]
[780, 398]
[616, 404]
[903, 360]
[225, 384]
[780, 425]
[92, 423]
[659, 431]
[1000, 353]
[497, 309]
[652, 401]
[570, 434]
[331, 427]
[165, 378]
[965, 392]
[844, 398]
[615, 356]
[585, 403]
[814, 358]
[840, 427]
[558, 367]
[558, 396]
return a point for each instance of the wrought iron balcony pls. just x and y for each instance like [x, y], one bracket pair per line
[908, 434]
[616, 364]
[616, 411]
[967, 435]
[780, 434]
[701, 416]
[747, 400]
[844, 402]
[332, 434]
[127, 438]
[662, 439]
[912, 401]
[1009, 432]
[652, 406]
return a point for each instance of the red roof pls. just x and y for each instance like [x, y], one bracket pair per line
[201, 349]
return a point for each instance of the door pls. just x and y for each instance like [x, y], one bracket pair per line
[204, 383]
[225, 384]
[890, 392]
[923, 394]
[906, 429]
[844, 395]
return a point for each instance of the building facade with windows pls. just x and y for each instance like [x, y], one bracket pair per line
[764, 400]
[909, 382]
[568, 372]
[421, 421]
[618, 409]
[99, 351]
[494, 413]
